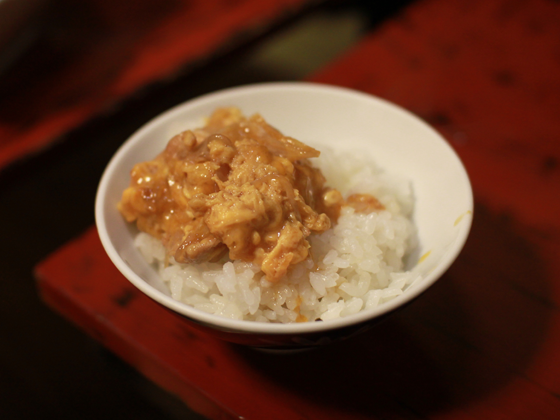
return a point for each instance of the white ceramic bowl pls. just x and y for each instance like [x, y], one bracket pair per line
[341, 119]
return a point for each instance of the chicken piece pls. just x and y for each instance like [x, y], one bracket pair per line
[199, 244]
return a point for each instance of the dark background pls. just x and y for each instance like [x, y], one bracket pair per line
[48, 367]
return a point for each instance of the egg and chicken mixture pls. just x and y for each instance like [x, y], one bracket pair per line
[236, 186]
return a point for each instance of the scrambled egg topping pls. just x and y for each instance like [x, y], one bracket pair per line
[237, 186]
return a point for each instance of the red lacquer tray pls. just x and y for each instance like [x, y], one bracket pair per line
[96, 53]
[484, 342]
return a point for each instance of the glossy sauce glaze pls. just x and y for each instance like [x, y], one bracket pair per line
[235, 186]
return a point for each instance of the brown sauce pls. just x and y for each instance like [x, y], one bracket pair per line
[235, 186]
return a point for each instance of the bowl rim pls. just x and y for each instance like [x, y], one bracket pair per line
[254, 327]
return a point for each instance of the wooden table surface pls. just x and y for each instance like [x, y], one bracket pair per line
[484, 342]
[91, 56]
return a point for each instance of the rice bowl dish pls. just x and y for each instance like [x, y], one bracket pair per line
[355, 265]
[416, 167]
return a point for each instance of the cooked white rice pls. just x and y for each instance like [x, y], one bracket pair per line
[358, 263]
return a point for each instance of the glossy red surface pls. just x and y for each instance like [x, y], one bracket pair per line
[75, 72]
[484, 342]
